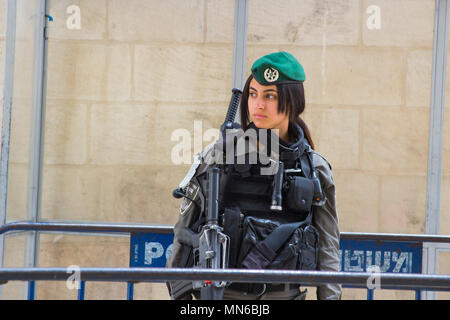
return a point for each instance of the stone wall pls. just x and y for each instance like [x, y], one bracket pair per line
[124, 76]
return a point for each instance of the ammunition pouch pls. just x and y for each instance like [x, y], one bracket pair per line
[299, 195]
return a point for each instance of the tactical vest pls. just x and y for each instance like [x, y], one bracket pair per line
[261, 238]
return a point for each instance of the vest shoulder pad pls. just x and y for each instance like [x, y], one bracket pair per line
[198, 166]
[323, 168]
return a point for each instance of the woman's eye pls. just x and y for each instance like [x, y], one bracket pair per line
[271, 96]
[252, 94]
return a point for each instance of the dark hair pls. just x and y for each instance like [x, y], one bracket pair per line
[291, 99]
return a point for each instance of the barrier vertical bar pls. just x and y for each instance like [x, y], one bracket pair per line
[418, 295]
[8, 93]
[37, 132]
[81, 290]
[130, 290]
[370, 294]
[31, 290]
[437, 105]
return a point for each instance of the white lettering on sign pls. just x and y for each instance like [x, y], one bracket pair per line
[357, 256]
[169, 251]
[389, 261]
[386, 260]
[153, 250]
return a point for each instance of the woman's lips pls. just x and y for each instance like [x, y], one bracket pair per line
[259, 116]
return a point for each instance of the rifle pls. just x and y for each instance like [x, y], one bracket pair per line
[210, 245]
[213, 246]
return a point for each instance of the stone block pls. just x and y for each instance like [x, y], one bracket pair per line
[23, 71]
[17, 192]
[14, 258]
[186, 127]
[353, 76]
[144, 194]
[418, 78]
[403, 23]
[357, 198]
[219, 21]
[121, 134]
[20, 131]
[155, 291]
[167, 21]
[354, 294]
[65, 133]
[147, 134]
[89, 71]
[395, 140]
[403, 204]
[78, 19]
[78, 193]
[183, 73]
[337, 137]
[444, 218]
[446, 143]
[444, 263]
[66, 250]
[305, 23]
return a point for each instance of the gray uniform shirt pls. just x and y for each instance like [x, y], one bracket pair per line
[325, 219]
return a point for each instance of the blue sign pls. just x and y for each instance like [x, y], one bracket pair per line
[386, 256]
[150, 249]
[153, 250]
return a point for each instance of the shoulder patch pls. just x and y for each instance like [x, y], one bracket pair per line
[191, 192]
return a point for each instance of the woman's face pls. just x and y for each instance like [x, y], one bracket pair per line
[263, 108]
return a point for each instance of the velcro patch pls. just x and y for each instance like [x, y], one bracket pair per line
[191, 192]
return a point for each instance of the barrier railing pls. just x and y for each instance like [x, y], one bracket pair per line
[408, 281]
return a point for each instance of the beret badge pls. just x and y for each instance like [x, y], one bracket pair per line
[271, 74]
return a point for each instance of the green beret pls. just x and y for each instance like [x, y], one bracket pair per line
[276, 68]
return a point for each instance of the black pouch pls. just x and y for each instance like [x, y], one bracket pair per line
[300, 195]
[309, 248]
[255, 254]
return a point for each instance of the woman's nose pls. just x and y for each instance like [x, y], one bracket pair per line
[260, 103]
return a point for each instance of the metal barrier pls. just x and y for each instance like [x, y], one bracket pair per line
[409, 281]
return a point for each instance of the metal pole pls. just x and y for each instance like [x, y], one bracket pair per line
[37, 135]
[102, 229]
[8, 93]
[434, 174]
[437, 117]
[409, 281]
[240, 45]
